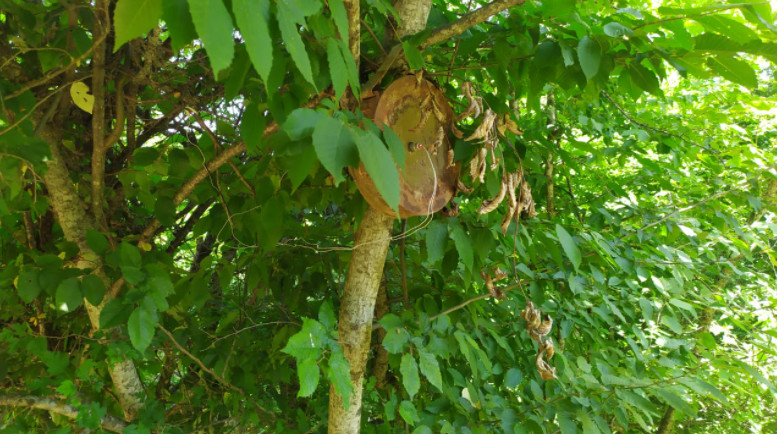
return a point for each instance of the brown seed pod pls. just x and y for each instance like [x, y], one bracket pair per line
[489, 205]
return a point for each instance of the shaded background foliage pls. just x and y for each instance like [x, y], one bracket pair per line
[652, 130]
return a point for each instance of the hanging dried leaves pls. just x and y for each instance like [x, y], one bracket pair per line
[514, 186]
[539, 330]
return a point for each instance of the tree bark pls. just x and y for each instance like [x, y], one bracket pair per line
[108, 422]
[356, 313]
[71, 214]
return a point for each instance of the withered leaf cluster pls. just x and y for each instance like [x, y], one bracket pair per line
[497, 276]
[488, 132]
[538, 330]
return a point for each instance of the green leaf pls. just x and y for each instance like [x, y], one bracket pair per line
[395, 145]
[413, 55]
[567, 424]
[463, 246]
[431, 369]
[569, 246]
[179, 22]
[129, 254]
[353, 71]
[133, 18]
[588, 425]
[395, 340]
[293, 40]
[334, 146]
[408, 412]
[675, 400]
[300, 166]
[337, 69]
[141, 327]
[513, 377]
[340, 17]
[252, 17]
[309, 374]
[436, 240]
[672, 322]
[645, 79]
[301, 122]
[113, 314]
[339, 374]
[617, 30]
[214, 27]
[164, 210]
[93, 288]
[735, 70]
[27, 285]
[590, 55]
[97, 241]
[409, 370]
[380, 166]
[68, 296]
[306, 344]
[272, 221]
[326, 315]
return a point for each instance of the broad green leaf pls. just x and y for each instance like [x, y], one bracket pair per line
[141, 327]
[395, 340]
[587, 423]
[214, 27]
[339, 374]
[306, 344]
[93, 289]
[129, 254]
[675, 400]
[133, 18]
[113, 314]
[513, 377]
[672, 322]
[436, 239]
[97, 241]
[616, 30]
[309, 373]
[252, 17]
[590, 54]
[326, 315]
[301, 122]
[569, 246]
[431, 369]
[645, 79]
[735, 70]
[408, 412]
[334, 146]
[337, 69]
[567, 424]
[68, 295]
[380, 166]
[463, 245]
[293, 40]
[179, 22]
[413, 55]
[27, 285]
[340, 17]
[703, 388]
[272, 221]
[395, 145]
[409, 370]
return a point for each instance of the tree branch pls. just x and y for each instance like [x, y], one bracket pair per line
[108, 422]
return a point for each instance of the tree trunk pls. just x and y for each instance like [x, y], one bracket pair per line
[356, 313]
[70, 212]
[366, 267]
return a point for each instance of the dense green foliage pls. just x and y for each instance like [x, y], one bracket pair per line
[653, 130]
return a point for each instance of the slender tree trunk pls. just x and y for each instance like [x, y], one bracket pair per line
[70, 212]
[356, 314]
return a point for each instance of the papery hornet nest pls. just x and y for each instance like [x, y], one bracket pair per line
[538, 330]
[488, 132]
[418, 112]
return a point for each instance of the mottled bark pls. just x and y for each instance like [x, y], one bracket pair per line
[665, 426]
[108, 423]
[71, 214]
[356, 314]
[380, 366]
